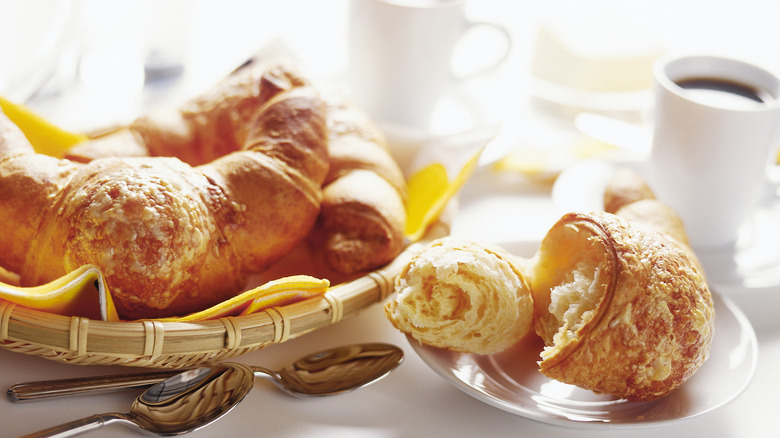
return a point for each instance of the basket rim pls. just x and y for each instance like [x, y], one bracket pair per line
[164, 344]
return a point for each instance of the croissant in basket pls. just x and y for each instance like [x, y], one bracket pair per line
[176, 235]
[363, 212]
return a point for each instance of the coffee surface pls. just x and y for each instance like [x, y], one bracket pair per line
[723, 93]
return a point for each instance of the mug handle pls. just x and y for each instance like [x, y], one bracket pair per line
[503, 32]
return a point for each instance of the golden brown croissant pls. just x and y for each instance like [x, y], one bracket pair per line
[625, 187]
[172, 238]
[628, 196]
[622, 310]
[204, 128]
[363, 213]
[462, 296]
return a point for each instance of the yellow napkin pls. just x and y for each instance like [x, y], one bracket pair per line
[82, 292]
[279, 292]
[45, 137]
[442, 165]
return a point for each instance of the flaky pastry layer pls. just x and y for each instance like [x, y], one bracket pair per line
[462, 296]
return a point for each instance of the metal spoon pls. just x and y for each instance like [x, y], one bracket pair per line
[324, 373]
[177, 405]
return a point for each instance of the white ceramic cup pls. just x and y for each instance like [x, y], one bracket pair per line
[711, 149]
[400, 56]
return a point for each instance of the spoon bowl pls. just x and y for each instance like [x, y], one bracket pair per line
[327, 372]
[177, 405]
[336, 370]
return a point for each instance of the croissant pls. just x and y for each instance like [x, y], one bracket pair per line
[628, 196]
[363, 211]
[462, 296]
[622, 310]
[625, 187]
[170, 237]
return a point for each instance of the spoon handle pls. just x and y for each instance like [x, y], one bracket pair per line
[76, 427]
[30, 391]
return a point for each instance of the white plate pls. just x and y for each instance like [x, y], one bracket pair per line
[510, 380]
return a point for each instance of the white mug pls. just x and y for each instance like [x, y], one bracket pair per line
[400, 54]
[716, 128]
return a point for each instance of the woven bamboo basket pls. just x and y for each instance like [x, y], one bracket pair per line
[84, 341]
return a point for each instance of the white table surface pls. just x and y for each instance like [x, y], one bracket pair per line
[413, 400]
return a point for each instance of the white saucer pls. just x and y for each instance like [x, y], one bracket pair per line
[510, 380]
[629, 102]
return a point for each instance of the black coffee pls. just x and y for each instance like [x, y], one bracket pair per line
[723, 92]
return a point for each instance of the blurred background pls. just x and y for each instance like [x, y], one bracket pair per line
[90, 64]
[91, 54]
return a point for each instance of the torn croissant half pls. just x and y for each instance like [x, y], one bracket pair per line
[462, 296]
[622, 311]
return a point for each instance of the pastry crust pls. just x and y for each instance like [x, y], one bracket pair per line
[462, 296]
[653, 214]
[622, 311]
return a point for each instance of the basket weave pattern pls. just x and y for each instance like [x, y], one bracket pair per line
[79, 340]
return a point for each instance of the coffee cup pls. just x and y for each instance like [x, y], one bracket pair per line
[401, 52]
[715, 134]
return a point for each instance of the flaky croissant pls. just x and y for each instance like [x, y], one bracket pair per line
[462, 296]
[169, 237]
[622, 311]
